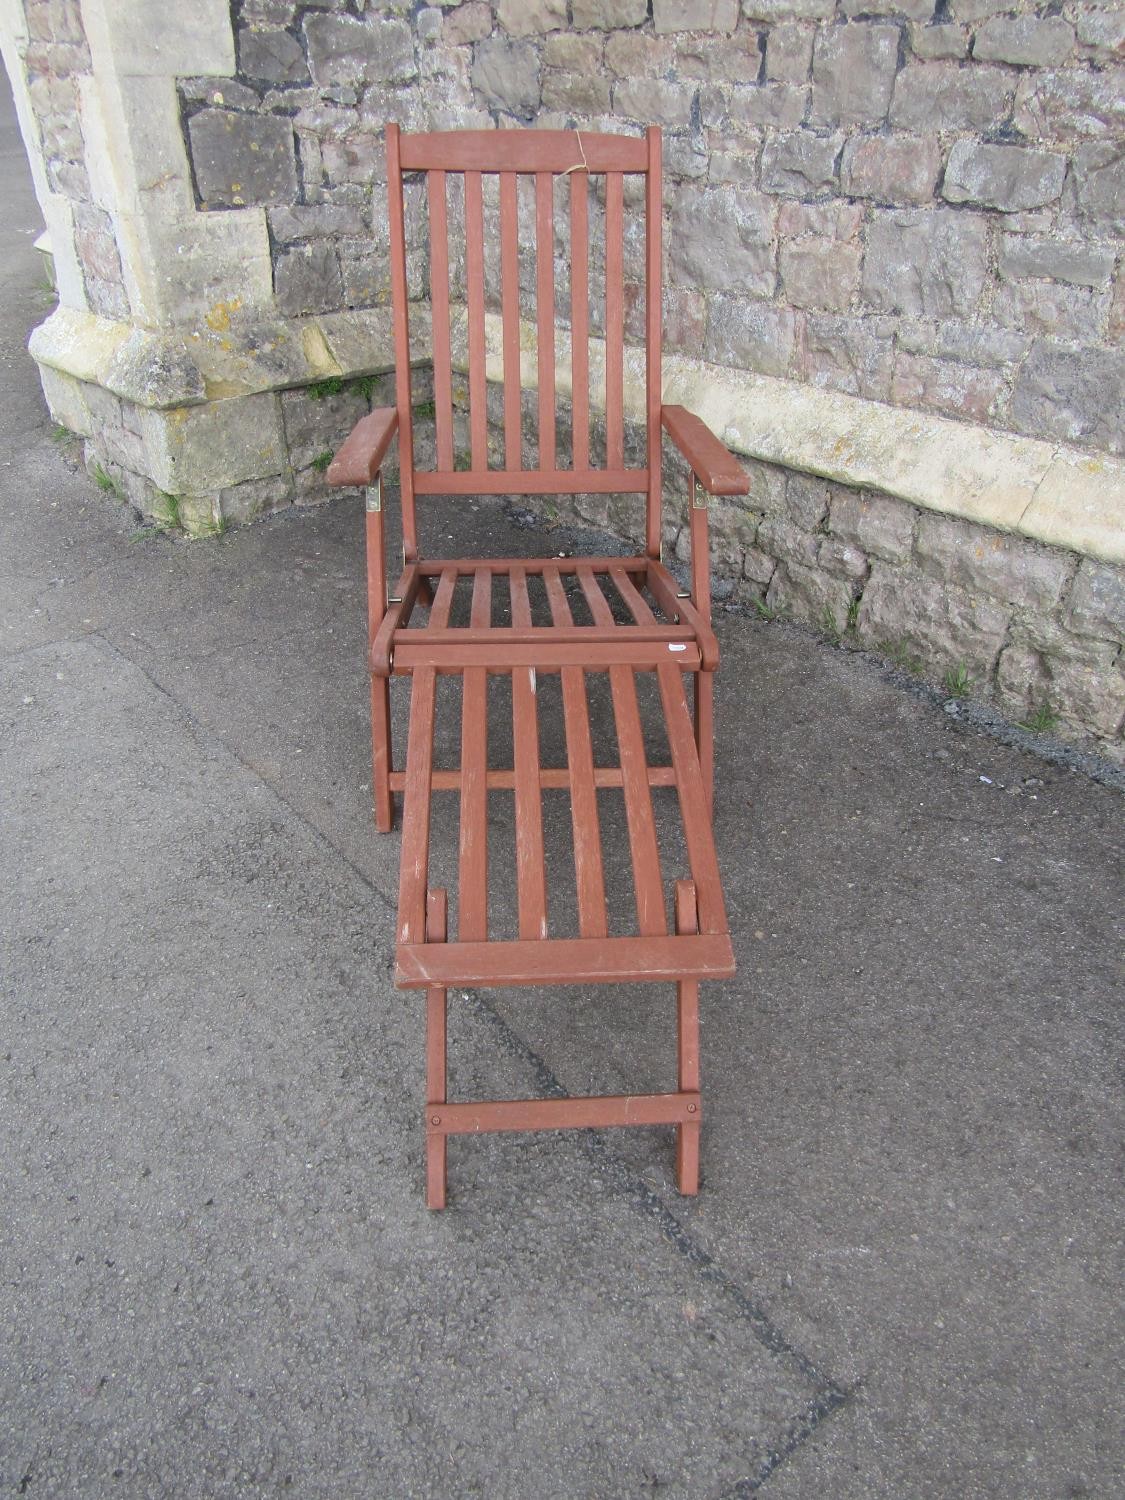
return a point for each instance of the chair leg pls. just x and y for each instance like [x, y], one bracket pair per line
[436, 920]
[687, 1046]
[381, 753]
[705, 733]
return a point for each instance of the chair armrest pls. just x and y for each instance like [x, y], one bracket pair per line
[717, 470]
[364, 448]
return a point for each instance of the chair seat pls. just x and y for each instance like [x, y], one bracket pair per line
[542, 613]
[695, 945]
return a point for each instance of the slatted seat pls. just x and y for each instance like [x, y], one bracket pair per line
[620, 621]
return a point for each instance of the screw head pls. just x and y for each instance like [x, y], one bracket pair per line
[435, 1119]
[691, 1109]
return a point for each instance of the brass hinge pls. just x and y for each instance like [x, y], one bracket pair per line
[374, 499]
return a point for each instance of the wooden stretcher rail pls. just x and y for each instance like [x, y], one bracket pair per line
[564, 961]
[522, 151]
[563, 1114]
[413, 650]
[551, 778]
[434, 567]
[517, 481]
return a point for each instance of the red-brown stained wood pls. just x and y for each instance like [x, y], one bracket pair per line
[551, 778]
[531, 869]
[522, 151]
[472, 918]
[648, 889]
[653, 310]
[687, 1048]
[563, 1114]
[415, 856]
[718, 470]
[634, 600]
[439, 303]
[436, 923]
[580, 322]
[521, 601]
[588, 871]
[614, 321]
[565, 961]
[362, 452]
[474, 292]
[412, 650]
[443, 600]
[545, 314]
[476, 481]
[401, 326]
[591, 589]
[693, 803]
[432, 567]
[510, 317]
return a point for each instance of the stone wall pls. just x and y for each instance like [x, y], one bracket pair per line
[892, 237]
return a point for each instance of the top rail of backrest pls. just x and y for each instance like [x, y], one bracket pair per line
[522, 151]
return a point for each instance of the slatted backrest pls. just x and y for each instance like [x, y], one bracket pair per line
[555, 168]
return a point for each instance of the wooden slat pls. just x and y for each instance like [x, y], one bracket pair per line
[531, 869]
[614, 321]
[564, 961]
[522, 151]
[436, 932]
[693, 803]
[412, 650]
[439, 302]
[634, 601]
[434, 567]
[551, 778]
[545, 313]
[576, 1113]
[482, 481]
[416, 810]
[510, 317]
[480, 616]
[443, 601]
[687, 1046]
[651, 917]
[580, 321]
[599, 604]
[502, 636]
[474, 291]
[588, 872]
[561, 617]
[653, 326]
[521, 602]
[472, 922]
[401, 323]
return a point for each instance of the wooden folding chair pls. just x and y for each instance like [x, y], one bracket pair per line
[635, 617]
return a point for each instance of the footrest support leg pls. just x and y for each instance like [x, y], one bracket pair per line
[436, 913]
[687, 1046]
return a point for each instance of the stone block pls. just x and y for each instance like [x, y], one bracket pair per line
[307, 280]
[964, 342]
[731, 529]
[821, 274]
[197, 268]
[808, 594]
[853, 74]
[153, 38]
[940, 41]
[576, 93]
[768, 485]
[1011, 178]
[635, 54]
[721, 238]
[891, 168]
[1069, 312]
[729, 59]
[580, 54]
[841, 559]
[1102, 31]
[694, 15]
[834, 220]
[607, 15]
[789, 53]
[96, 247]
[799, 162]
[272, 56]
[468, 23]
[322, 221]
[878, 525]
[806, 499]
[977, 558]
[197, 449]
[750, 335]
[1096, 606]
[1029, 41]
[1077, 262]
[506, 76]
[652, 101]
[926, 263]
[787, 541]
[954, 389]
[241, 159]
[940, 623]
[778, 10]
[312, 425]
[1063, 103]
[531, 17]
[781, 105]
[66, 401]
[936, 96]
[1077, 395]
[1099, 186]
[346, 52]
[853, 355]
[239, 504]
